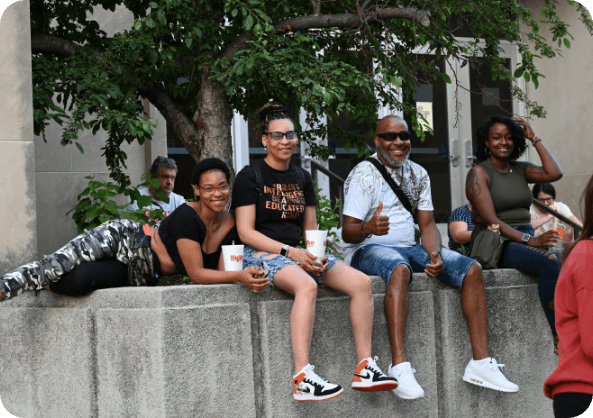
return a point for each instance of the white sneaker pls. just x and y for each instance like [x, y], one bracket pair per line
[408, 387]
[308, 386]
[488, 374]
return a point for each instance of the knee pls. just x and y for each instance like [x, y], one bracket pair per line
[399, 281]
[307, 289]
[474, 277]
[362, 284]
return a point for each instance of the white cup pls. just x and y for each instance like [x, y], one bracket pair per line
[315, 241]
[232, 256]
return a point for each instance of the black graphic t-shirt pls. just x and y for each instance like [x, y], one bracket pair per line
[184, 222]
[281, 207]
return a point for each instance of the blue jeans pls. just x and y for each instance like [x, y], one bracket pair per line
[381, 260]
[536, 262]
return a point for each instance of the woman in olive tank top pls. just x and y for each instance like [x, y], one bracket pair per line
[499, 192]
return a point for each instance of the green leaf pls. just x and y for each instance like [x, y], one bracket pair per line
[566, 42]
[519, 72]
[150, 23]
[188, 42]
[138, 25]
[161, 16]
[445, 78]
[153, 5]
[248, 23]
[235, 12]
[79, 147]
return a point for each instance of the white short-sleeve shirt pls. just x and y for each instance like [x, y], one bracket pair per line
[365, 188]
[545, 227]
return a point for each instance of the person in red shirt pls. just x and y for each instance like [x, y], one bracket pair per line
[571, 384]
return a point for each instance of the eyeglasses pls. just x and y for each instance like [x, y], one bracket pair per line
[277, 136]
[546, 199]
[391, 136]
[222, 188]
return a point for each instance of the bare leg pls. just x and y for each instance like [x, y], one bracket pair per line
[357, 285]
[396, 311]
[473, 305]
[294, 280]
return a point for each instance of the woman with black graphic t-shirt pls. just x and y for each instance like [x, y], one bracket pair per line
[275, 203]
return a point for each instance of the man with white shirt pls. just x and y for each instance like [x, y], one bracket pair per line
[165, 169]
[380, 236]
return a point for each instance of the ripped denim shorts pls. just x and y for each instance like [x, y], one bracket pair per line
[279, 262]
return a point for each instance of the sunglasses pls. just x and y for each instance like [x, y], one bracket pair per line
[391, 136]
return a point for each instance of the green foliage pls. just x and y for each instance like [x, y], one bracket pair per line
[327, 218]
[98, 203]
[252, 50]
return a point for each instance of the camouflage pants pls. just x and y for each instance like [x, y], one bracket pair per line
[119, 239]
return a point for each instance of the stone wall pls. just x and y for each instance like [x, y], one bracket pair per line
[222, 351]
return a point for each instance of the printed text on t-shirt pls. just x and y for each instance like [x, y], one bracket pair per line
[287, 198]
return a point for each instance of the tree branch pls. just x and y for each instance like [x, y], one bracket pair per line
[173, 111]
[344, 20]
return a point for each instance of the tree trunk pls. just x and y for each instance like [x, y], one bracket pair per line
[213, 119]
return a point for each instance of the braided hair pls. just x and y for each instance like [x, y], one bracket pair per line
[519, 141]
[273, 111]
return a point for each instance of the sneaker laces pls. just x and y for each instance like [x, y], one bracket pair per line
[495, 367]
[372, 366]
[313, 378]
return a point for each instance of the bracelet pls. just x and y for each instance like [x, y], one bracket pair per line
[362, 230]
[536, 141]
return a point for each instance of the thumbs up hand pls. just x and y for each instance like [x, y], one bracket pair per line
[378, 224]
[435, 267]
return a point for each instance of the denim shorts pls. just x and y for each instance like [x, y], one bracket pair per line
[381, 260]
[279, 262]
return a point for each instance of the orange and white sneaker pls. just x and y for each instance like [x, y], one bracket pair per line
[307, 386]
[369, 378]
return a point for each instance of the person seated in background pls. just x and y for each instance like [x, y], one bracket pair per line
[543, 221]
[165, 169]
[459, 229]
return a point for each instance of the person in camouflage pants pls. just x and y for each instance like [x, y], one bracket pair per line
[122, 240]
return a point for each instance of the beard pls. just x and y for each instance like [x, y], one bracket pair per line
[391, 161]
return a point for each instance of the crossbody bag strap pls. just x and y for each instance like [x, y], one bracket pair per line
[396, 189]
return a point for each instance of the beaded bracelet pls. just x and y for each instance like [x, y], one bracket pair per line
[536, 141]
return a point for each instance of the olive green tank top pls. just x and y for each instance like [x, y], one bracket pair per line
[510, 193]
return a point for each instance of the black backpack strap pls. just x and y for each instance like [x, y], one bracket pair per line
[300, 176]
[259, 189]
[396, 189]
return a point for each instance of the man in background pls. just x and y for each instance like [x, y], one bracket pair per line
[165, 169]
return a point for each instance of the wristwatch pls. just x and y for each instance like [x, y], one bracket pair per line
[284, 251]
[525, 238]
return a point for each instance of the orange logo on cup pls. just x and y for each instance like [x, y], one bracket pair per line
[236, 258]
[311, 243]
[324, 243]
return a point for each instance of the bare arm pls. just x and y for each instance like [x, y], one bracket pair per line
[550, 170]
[354, 230]
[191, 255]
[459, 232]
[478, 193]
[431, 242]
[536, 223]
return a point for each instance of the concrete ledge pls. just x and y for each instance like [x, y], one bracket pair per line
[222, 351]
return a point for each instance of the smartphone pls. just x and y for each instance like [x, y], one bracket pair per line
[264, 266]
